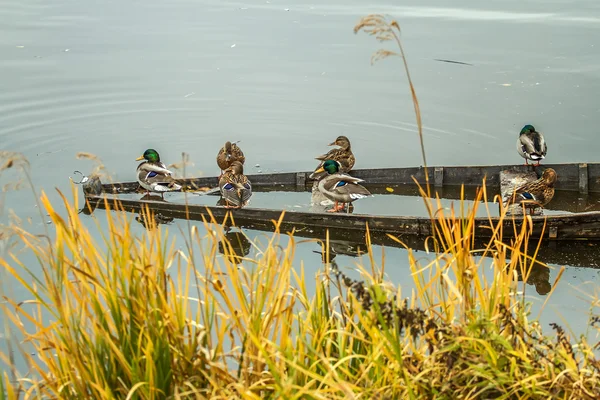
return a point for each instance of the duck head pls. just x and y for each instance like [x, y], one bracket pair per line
[331, 166]
[237, 168]
[341, 141]
[549, 176]
[149, 155]
[527, 129]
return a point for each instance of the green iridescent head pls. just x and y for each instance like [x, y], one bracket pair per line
[527, 129]
[331, 166]
[150, 155]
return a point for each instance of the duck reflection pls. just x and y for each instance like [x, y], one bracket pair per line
[235, 246]
[320, 203]
[153, 220]
[153, 197]
[341, 247]
[89, 207]
[538, 277]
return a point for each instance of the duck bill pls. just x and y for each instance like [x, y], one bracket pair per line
[332, 144]
[140, 158]
[320, 170]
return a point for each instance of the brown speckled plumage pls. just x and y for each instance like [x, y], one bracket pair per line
[343, 155]
[537, 193]
[235, 186]
[229, 153]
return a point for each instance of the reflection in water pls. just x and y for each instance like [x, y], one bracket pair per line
[153, 197]
[238, 246]
[538, 277]
[341, 247]
[153, 220]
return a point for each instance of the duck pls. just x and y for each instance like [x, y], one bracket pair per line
[339, 187]
[229, 153]
[343, 155]
[153, 175]
[535, 194]
[531, 145]
[235, 187]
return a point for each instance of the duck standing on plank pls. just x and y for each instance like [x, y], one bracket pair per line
[531, 145]
[537, 193]
[339, 187]
[153, 175]
[235, 186]
[229, 153]
[343, 155]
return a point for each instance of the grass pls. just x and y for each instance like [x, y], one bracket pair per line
[113, 315]
[139, 318]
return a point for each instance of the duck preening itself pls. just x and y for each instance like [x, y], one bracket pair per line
[535, 194]
[229, 153]
[531, 145]
[153, 175]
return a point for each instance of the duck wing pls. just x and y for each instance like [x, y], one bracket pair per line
[236, 190]
[534, 145]
[237, 154]
[155, 173]
[344, 157]
[222, 160]
[531, 192]
[346, 185]
[330, 155]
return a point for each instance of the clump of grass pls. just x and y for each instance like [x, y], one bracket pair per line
[138, 317]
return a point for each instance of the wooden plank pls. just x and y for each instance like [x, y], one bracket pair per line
[569, 177]
[573, 253]
[570, 226]
[301, 180]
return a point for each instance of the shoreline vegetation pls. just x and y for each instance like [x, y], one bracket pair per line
[112, 315]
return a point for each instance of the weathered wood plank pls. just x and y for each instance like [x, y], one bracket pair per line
[569, 177]
[567, 226]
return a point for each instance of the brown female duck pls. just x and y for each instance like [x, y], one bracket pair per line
[229, 153]
[343, 155]
[235, 186]
[537, 193]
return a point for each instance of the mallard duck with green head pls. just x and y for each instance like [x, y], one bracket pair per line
[153, 175]
[535, 194]
[531, 145]
[343, 155]
[340, 188]
[229, 153]
[235, 187]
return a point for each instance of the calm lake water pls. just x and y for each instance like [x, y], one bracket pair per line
[113, 78]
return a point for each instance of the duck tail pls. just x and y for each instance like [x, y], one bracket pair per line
[536, 156]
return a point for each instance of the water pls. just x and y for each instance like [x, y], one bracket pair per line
[286, 78]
